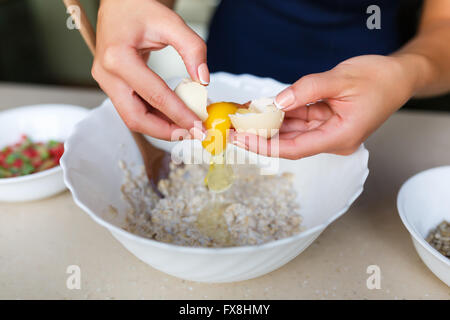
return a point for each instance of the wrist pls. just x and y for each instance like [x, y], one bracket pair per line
[417, 69]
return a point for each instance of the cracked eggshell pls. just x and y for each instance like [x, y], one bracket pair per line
[263, 118]
[195, 97]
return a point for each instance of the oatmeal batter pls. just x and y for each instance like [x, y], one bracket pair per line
[255, 210]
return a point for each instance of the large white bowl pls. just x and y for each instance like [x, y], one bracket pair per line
[423, 202]
[41, 122]
[326, 184]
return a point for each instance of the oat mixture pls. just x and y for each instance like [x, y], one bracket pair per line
[255, 210]
[439, 238]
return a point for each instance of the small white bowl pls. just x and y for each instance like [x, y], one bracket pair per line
[327, 185]
[423, 202]
[41, 123]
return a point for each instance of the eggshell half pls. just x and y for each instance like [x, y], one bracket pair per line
[264, 118]
[195, 96]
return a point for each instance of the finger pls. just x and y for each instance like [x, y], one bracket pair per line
[300, 113]
[290, 135]
[313, 124]
[156, 112]
[133, 110]
[296, 125]
[197, 132]
[129, 66]
[192, 50]
[138, 118]
[310, 89]
[318, 111]
[293, 124]
[326, 138]
[256, 143]
[145, 55]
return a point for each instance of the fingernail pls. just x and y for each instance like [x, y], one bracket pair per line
[285, 99]
[203, 74]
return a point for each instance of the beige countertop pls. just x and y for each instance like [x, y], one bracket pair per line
[39, 240]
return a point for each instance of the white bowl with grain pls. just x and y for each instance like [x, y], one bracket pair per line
[41, 123]
[423, 202]
[326, 186]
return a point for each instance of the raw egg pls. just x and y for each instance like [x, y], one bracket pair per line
[220, 175]
[217, 125]
[261, 117]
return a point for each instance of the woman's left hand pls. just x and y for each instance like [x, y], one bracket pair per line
[335, 111]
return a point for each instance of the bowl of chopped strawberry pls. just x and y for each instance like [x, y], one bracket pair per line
[26, 157]
[31, 145]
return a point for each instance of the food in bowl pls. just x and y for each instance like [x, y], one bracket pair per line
[260, 117]
[26, 157]
[256, 210]
[439, 238]
[314, 177]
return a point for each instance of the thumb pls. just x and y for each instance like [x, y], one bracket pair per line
[192, 50]
[309, 89]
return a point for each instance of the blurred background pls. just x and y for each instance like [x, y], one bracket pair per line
[37, 47]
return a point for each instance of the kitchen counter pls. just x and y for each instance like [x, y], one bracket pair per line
[40, 239]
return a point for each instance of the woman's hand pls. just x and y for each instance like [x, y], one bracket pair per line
[127, 31]
[335, 111]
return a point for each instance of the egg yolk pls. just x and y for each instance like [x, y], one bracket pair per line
[217, 125]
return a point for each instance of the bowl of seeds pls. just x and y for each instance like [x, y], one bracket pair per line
[424, 207]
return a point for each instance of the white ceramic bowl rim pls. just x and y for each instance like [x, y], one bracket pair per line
[412, 230]
[175, 247]
[37, 175]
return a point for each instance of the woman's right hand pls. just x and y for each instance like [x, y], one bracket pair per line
[127, 31]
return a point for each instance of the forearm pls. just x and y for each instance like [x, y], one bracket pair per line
[427, 57]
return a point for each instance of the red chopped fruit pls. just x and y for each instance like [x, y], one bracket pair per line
[36, 163]
[7, 150]
[57, 152]
[25, 157]
[17, 163]
[2, 158]
[30, 152]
